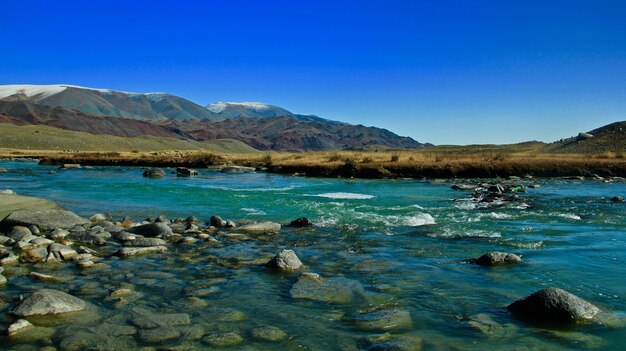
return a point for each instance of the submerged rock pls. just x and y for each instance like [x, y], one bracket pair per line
[154, 173]
[223, 339]
[134, 251]
[464, 187]
[286, 260]
[269, 333]
[617, 199]
[497, 258]
[395, 342]
[161, 320]
[48, 301]
[553, 305]
[383, 320]
[44, 219]
[336, 290]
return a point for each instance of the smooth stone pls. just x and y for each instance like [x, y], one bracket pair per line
[19, 326]
[19, 232]
[497, 258]
[269, 333]
[152, 230]
[3, 280]
[553, 305]
[134, 251]
[233, 169]
[46, 220]
[48, 301]
[286, 260]
[58, 234]
[70, 166]
[186, 171]
[464, 187]
[98, 217]
[223, 339]
[45, 277]
[258, 228]
[217, 221]
[384, 320]
[161, 320]
[34, 255]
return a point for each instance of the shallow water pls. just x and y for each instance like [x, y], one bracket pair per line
[394, 244]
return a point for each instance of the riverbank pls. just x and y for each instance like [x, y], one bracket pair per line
[442, 162]
[12, 202]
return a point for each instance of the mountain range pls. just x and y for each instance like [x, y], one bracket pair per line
[124, 114]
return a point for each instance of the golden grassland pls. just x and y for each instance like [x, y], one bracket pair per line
[438, 162]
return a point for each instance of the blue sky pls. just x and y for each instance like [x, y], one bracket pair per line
[446, 72]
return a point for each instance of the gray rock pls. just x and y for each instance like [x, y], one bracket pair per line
[152, 230]
[48, 301]
[145, 242]
[464, 187]
[3, 280]
[184, 171]
[497, 258]
[258, 228]
[99, 217]
[134, 251]
[66, 252]
[34, 255]
[44, 219]
[159, 335]
[19, 232]
[217, 221]
[286, 260]
[154, 173]
[5, 240]
[19, 326]
[58, 234]
[233, 169]
[45, 277]
[70, 166]
[92, 236]
[553, 305]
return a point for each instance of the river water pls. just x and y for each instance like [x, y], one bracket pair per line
[386, 245]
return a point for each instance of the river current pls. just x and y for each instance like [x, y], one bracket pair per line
[386, 245]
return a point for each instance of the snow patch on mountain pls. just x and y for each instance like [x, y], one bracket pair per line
[41, 91]
[218, 107]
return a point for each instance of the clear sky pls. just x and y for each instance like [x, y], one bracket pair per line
[440, 71]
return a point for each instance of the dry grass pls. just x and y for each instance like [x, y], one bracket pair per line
[444, 162]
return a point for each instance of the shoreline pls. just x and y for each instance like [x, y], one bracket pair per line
[379, 165]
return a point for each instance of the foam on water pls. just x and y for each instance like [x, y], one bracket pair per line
[345, 196]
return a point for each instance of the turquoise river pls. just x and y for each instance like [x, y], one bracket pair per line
[397, 246]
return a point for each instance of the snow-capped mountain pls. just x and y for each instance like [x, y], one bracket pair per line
[126, 114]
[106, 102]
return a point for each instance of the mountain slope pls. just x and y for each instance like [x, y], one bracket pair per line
[148, 106]
[259, 110]
[609, 138]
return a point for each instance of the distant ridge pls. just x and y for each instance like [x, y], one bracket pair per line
[126, 114]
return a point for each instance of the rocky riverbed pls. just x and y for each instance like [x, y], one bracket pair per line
[159, 282]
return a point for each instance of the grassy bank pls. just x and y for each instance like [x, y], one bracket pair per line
[439, 162]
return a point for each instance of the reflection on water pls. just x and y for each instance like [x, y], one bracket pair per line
[392, 256]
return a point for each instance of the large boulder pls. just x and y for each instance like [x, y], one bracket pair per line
[48, 301]
[217, 221]
[553, 305]
[152, 230]
[497, 258]
[45, 220]
[286, 260]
